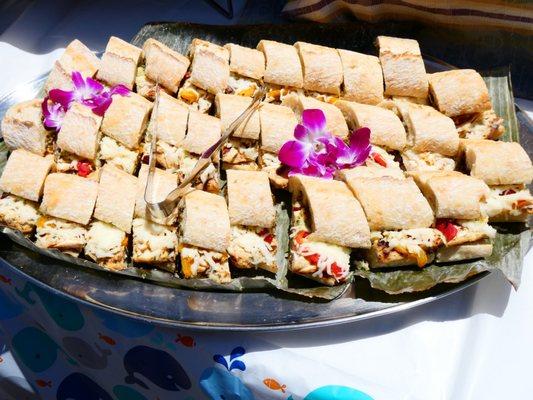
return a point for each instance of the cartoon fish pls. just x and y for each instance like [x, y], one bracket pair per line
[5, 279]
[274, 385]
[187, 341]
[107, 339]
[43, 384]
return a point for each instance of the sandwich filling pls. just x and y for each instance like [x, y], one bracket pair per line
[116, 154]
[427, 161]
[513, 201]
[242, 86]
[55, 233]
[485, 125]
[243, 152]
[196, 98]
[457, 232]
[253, 247]
[275, 93]
[203, 263]
[18, 213]
[208, 178]
[70, 163]
[379, 157]
[317, 260]
[395, 247]
[145, 86]
[154, 244]
[106, 245]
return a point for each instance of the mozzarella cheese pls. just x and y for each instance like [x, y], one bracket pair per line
[153, 243]
[249, 249]
[499, 202]
[485, 125]
[196, 262]
[242, 86]
[104, 241]
[60, 234]
[387, 157]
[115, 154]
[427, 161]
[18, 213]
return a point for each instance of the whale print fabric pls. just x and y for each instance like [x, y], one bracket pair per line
[68, 350]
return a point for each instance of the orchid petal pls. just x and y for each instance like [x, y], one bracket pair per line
[101, 104]
[120, 90]
[294, 153]
[63, 97]
[300, 132]
[314, 120]
[360, 139]
[77, 80]
[93, 86]
[53, 114]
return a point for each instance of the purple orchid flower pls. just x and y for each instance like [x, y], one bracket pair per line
[101, 103]
[316, 152]
[53, 113]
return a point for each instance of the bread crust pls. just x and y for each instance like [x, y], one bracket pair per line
[126, 118]
[459, 92]
[282, 64]
[336, 215]
[119, 63]
[210, 66]
[205, 221]
[386, 129]
[369, 172]
[69, 197]
[22, 127]
[245, 61]
[250, 199]
[497, 163]
[172, 118]
[403, 67]
[25, 173]
[231, 106]
[162, 184]
[79, 132]
[392, 204]
[277, 126]
[164, 65]
[363, 78]
[76, 57]
[464, 252]
[322, 68]
[203, 131]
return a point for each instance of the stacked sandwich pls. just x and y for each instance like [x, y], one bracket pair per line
[435, 177]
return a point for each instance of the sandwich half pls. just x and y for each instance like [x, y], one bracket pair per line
[457, 201]
[203, 252]
[327, 223]
[242, 149]
[252, 216]
[107, 246]
[507, 169]
[119, 63]
[247, 67]
[399, 217]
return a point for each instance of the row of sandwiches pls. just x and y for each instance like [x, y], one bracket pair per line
[391, 218]
[416, 119]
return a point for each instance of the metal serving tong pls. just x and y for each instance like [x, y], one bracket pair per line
[164, 210]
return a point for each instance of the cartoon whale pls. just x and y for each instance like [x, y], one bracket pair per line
[157, 366]
[127, 393]
[333, 392]
[15, 387]
[9, 308]
[77, 386]
[83, 352]
[64, 312]
[218, 383]
[35, 349]
[127, 327]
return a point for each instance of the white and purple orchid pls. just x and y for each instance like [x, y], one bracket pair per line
[316, 152]
[87, 91]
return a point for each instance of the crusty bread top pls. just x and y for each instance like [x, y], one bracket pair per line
[205, 221]
[336, 215]
[245, 61]
[119, 63]
[363, 78]
[69, 197]
[403, 67]
[250, 199]
[363, 171]
[171, 120]
[202, 132]
[162, 184]
[282, 64]
[126, 118]
[430, 130]
[22, 127]
[277, 126]
[210, 66]
[497, 163]
[79, 132]
[25, 173]
[230, 107]
[386, 129]
[458, 92]
[322, 68]
[452, 194]
[392, 204]
[164, 65]
[116, 197]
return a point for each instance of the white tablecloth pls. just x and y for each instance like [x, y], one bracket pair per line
[476, 344]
